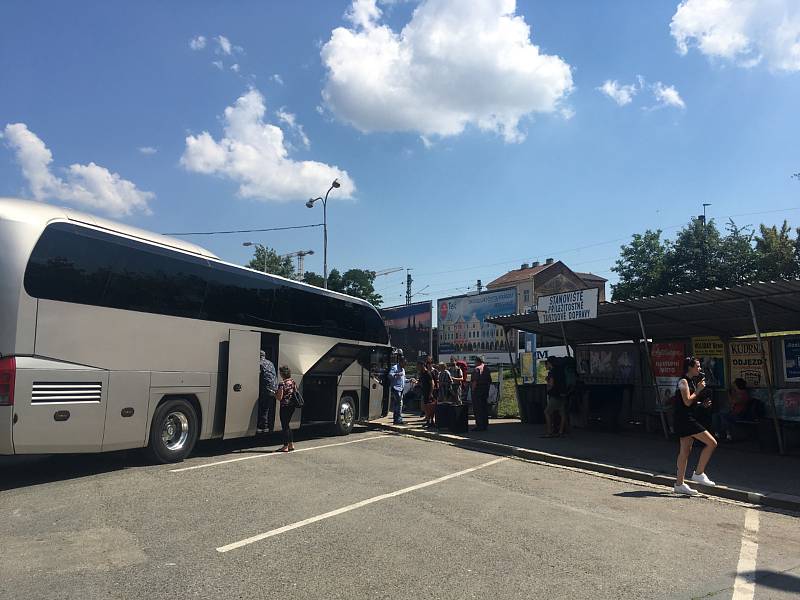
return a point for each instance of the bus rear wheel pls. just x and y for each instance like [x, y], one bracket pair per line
[346, 417]
[173, 432]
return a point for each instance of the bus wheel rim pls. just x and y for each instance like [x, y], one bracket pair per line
[175, 431]
[346, 414]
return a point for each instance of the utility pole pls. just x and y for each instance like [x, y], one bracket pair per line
[409, 281]
[705, 245]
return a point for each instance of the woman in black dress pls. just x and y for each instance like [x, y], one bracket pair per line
[689, 429]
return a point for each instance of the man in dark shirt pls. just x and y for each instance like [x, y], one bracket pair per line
[267, 385]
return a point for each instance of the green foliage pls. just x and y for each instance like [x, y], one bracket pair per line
[700, 257]
[274, 263]
[354, 282]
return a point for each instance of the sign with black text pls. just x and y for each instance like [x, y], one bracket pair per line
[568, 306]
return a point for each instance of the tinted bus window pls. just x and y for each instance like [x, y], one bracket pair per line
[155, 280]
[237, 296]
[71, 264]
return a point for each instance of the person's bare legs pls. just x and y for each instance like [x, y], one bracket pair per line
[705, 455]
[562, 427]
[548, 423]
[683, 458]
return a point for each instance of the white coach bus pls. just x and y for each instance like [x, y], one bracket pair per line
[112, 338]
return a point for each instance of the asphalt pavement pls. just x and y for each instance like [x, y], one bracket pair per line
[373, 515]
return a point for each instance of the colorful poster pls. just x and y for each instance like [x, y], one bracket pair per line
[463, 331]
[667, 370]
[528, 374]
[791, 358]
[616, 363]
[410, 328]
[746, 362]
[711, 353]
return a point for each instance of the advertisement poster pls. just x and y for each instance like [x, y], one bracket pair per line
[667, 370]
[617, 363]
[463, 332]
[746, 362]
[410, 328]
[528, 374]
[711, 353]
[791, 358]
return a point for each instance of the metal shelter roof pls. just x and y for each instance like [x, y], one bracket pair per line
[723, 312]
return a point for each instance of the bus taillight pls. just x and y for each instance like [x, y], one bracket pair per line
[8, 369]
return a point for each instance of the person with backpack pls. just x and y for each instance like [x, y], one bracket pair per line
[286, 395]
[481, 381]
[556, 399]
[688, 397]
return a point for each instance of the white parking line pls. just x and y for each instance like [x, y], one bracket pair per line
[744, 587]
[269, 454]
[344, 509]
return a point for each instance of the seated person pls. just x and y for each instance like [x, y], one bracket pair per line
[740, 406]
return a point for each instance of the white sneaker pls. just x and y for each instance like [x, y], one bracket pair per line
[685, 490]
[702, 478]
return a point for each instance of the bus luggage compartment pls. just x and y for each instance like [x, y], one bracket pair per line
[319, 393]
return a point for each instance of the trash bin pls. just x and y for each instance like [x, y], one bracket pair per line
[444, 415]
[532, 399]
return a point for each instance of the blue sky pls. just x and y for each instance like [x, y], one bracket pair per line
[467, 144]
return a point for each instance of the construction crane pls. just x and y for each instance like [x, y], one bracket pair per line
[301, 255]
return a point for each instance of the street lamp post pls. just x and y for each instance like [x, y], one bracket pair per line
[263, 249]
[310, 204]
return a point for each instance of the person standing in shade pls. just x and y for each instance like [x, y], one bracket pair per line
[426, 387]
[481, 380]
[267, 387]
[285, 395]
[397, 379]
[688, 429]
[457, 377]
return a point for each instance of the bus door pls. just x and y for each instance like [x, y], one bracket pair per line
[59, 410]
[241, 406]
[379, 384]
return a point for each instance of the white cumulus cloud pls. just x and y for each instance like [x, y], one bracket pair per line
[667, 95]
[746, 32]
[197, 42]
[455, 63]
[254, 154]
[87, 186]
[147, 150]
[621, 94]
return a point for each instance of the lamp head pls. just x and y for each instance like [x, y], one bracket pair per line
[247, 243]
[310, 203]
[336, 183]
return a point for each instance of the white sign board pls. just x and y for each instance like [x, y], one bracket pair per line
[568, 306]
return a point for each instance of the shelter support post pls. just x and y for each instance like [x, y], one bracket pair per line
[564, 337]
[653, 377]
[767, 378]
[506, 331]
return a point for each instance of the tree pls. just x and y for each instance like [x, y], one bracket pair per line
[738, 258]
[777, 253]
[355, 282]
[693, 262]
[275, 264]
[641, 267]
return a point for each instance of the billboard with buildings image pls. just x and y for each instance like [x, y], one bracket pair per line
[463, 332]
[410, 328]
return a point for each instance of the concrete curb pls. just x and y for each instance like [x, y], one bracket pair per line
[772, 500]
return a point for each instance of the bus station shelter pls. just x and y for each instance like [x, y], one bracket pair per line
[725, 313]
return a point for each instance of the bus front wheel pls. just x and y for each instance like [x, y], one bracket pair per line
[173, 432]
[346, 417]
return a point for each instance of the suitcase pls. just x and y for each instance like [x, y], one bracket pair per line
[444, 415]
[459, 422]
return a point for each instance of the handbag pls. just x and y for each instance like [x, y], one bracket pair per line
[297, 399]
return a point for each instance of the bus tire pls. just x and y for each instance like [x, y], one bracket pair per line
[173, 432]
[346, 416]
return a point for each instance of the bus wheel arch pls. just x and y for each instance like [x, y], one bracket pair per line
[174, 428]
[346, 413]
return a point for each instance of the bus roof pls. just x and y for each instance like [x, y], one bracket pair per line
[40, 214]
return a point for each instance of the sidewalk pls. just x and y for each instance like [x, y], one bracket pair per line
[740, 473]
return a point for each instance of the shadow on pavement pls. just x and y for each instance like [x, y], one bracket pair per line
[643, 494]
[31, 470]
[776, 580]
